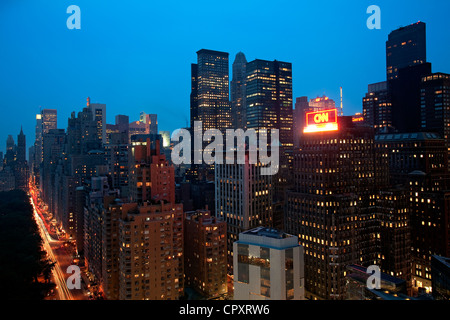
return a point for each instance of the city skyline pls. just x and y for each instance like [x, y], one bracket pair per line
[93, 62]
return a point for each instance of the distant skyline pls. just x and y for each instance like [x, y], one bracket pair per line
[136, 56]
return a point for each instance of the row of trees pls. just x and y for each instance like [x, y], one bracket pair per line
[24, 267]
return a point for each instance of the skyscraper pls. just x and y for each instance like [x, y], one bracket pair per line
[377, 107]
[405, 47]
[21, 147]
[435, 105]
[99, 115]
[210, 90]
[269, 103]
[21, 165]
[337, 174]
[243, 199]
[151, 178]
[238, 95]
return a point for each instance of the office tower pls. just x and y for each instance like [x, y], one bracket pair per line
[440, 277]
[21, 147]
[210, 90]
[46, 120]
[337, 174]
[377, 107]
[99, 116]
[49, 119]
[100, 224]
[117, 161]
[52, 147]
[238, 95]
[205, 253]
[405, 93]
[151, 177]
[391, 288]
[299, 116]
[435, 105]
[419, 163]
[269, 102]
[151, 121]
[21, 169]
[243, 199]
[151, 251]
[122, 123]
[393, 212]
[268, 265]
[82, 133]
[10, 155]
[416, 151]
[429, 196]
[405, 47]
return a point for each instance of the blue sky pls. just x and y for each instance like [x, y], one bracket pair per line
[135, 55]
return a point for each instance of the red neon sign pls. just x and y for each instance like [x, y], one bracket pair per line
[321, 121]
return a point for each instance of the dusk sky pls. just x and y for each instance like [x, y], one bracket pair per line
[136, 55]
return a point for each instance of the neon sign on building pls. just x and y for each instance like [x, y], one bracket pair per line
[321, 121]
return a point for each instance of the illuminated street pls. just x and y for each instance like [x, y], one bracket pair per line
[57, 251]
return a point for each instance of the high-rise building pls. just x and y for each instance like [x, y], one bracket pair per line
[377, 107]
[405, 94]
[435, 105]
[269, 102]
[21, 169]
[429, 196]
[299, 116]
[210, 102]
[151, 121]
[21, 147]
[52, 148]
[151, 251]
[393, 212]
[46, 120]
[337, 175]
[418, 162]
[150, 178]
[117, 161]
[268, 265]
[440, 270]
[238, 95]
[405, 47]
[10, 155]
[243, 199]
[205, 253]
[99, 116]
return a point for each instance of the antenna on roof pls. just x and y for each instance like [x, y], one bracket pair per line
[341, 112]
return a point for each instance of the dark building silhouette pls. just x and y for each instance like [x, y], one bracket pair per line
[405, 93]
[238, 95]
[405, 47]
[440, 270]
